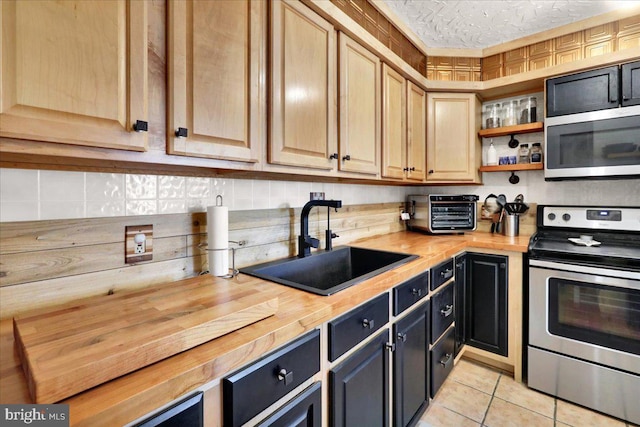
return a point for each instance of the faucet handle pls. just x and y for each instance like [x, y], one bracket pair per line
[313, 242]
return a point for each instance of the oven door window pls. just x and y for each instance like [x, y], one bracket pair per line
[603, 315]
[611, 142]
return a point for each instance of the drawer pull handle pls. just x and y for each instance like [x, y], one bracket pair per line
[366, 323]
[447, 310]
[402, 337]
[416, 292]
[285, 376]
[447, 273]
[446, 359]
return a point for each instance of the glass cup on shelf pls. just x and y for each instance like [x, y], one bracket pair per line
[510, 114]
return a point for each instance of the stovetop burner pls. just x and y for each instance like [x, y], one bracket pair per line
[617, 230]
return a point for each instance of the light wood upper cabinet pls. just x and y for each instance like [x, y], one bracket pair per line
[416, 132]
[454, 152]
[394, 112]
[74, 72]
[216, 74]
[303, 87]
[360, 100]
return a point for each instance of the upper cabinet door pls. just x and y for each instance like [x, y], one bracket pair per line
[416, 132]
[453, 147]
[216, 76]
[360, 102]
[394, 108]
[631, 84]
[75, 72]
[303, 87]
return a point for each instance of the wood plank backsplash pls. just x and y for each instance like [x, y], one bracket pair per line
[47, 263]
[53, 262]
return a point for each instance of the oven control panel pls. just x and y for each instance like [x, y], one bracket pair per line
[619, 218]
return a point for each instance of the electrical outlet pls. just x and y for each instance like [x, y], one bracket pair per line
[138, 243]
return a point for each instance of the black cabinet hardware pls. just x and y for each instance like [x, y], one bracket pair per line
[285, 376]
[141, 126]
[347, 157]
[446, 359]
[333, 156]
[182, 132]
[446, 312]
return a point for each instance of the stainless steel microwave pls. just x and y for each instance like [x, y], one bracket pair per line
[596, 144]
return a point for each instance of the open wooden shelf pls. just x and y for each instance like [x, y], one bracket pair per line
[512, 168]
[511, 130]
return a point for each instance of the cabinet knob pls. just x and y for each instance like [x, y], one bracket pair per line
[333, 156]
[285, 376]
[416, 292]
[347, 157]
[412, 168]
[447, 310]
[182, 132]
[402, 337]
[141, 126]
[406, 169]
[430, 171]
[366, 323]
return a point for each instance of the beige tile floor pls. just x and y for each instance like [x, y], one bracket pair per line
[476, 395]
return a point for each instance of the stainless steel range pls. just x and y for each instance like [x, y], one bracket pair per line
[584, 307]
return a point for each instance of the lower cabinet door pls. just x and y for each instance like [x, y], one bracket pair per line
[304, 410]
[486, 302]
[411, 367]
[359, 387]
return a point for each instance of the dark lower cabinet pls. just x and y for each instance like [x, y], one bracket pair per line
[486, 302]
[441, 360]
[188, 412]
[459, 301]
[252, 389]
[304, 410]
[411, 367]
[359, 386]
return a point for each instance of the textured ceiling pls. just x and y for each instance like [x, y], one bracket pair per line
[483, 23]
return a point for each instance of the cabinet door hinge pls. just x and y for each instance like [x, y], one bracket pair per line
[390, 346]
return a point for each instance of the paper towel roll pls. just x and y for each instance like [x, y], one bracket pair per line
[218, 240]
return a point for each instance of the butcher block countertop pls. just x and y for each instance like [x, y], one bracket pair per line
[133, 395]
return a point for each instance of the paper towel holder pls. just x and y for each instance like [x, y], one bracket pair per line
[234, 271]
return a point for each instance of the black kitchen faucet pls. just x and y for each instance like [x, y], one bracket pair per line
[306, 242]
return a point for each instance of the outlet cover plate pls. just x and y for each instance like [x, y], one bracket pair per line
[130, 254]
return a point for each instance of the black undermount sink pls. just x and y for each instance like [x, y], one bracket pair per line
[328, 272]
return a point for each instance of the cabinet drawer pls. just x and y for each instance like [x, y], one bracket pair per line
[441, 273]
[442, 360]
[252, 389]
[188, 412]
[303, 410]
[348, 330]
[441, 311]
[410, 292]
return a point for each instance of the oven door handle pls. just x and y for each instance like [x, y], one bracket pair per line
[596, 271]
